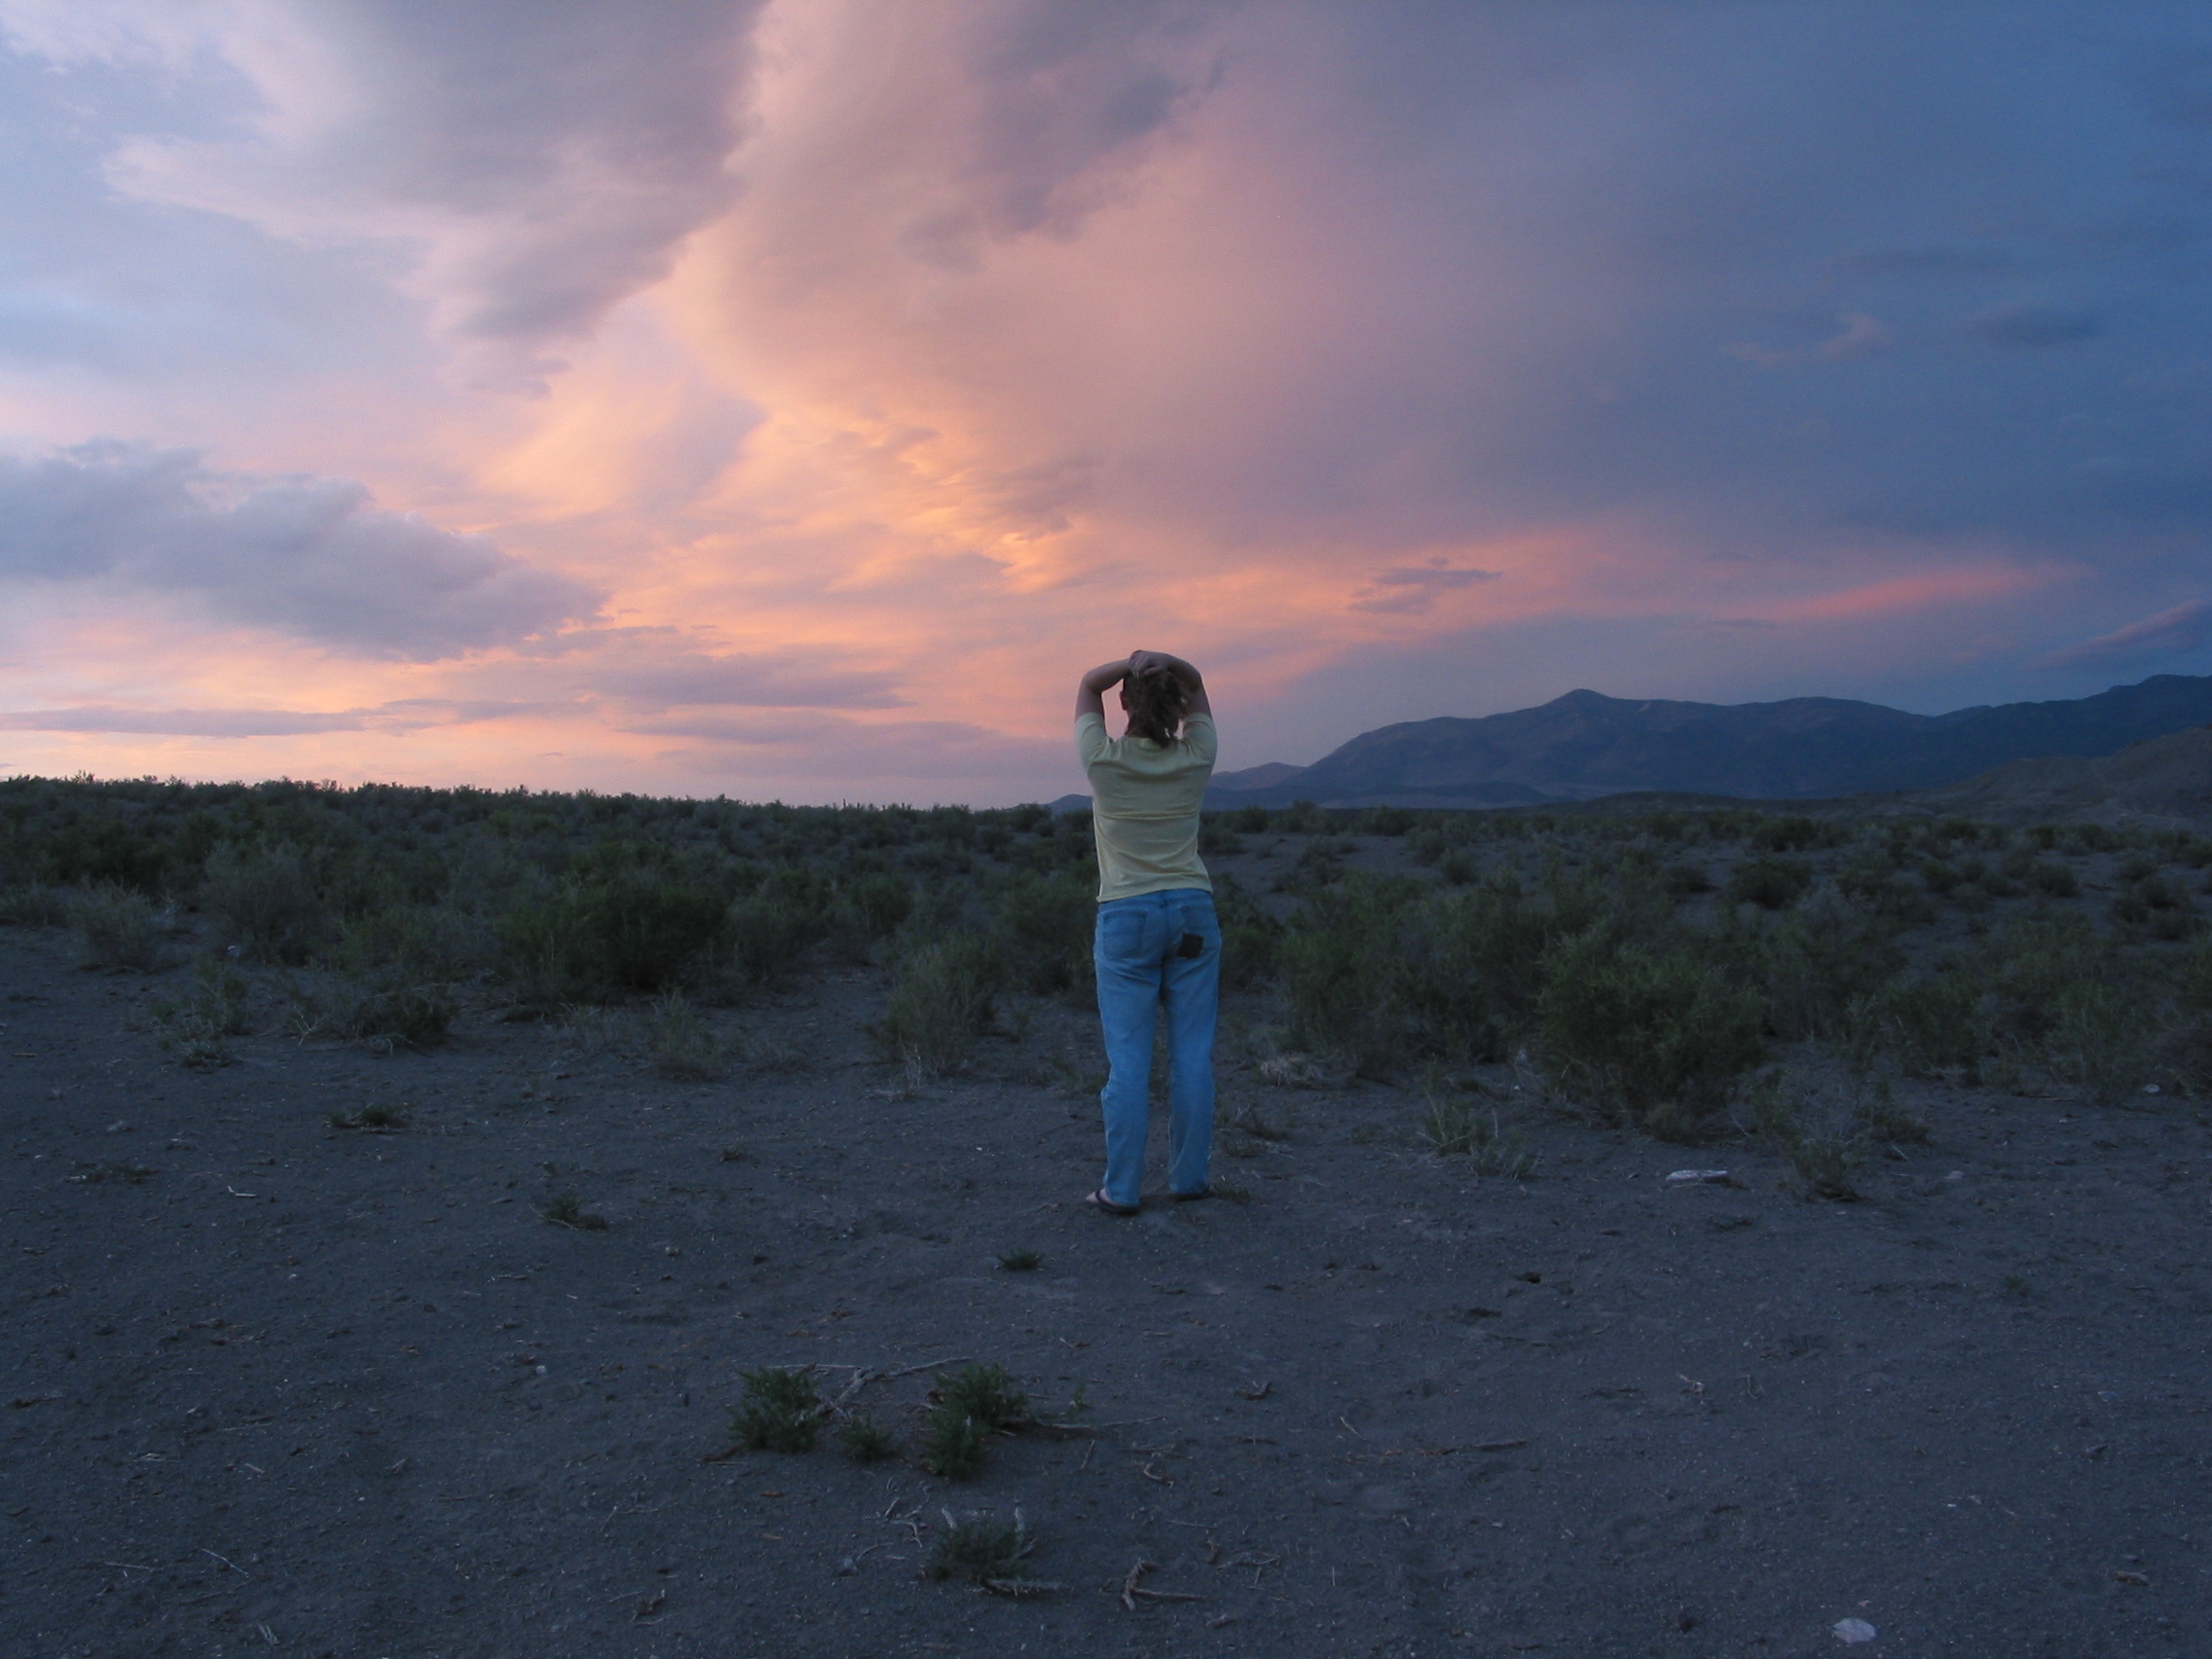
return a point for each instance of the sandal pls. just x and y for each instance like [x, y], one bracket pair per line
[1105, 1206]
[1193, 1197]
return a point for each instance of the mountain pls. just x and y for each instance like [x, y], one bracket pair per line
[1585, 745]
[2168, 777]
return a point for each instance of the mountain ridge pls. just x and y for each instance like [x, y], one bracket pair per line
[1585, 745]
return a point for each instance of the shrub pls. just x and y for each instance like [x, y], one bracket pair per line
[1343, 967]
[978, 1549]
[566, 1209]
[2096, 1040]
[267, 899]
[115, 927]
[953, 1444]
[392, 1013]
[1772, 884]
[2052, 879]
[986, 1393]
[1251, 939]
[866, 1440]
[193, 1028]
[779, 1413]
[1452, 1126]
[1043, 926]
[681, 1044]
[943, 999]
[768, 930]
[1658, 1034]
[637, 931]
[879, 902]
[1935, 1023]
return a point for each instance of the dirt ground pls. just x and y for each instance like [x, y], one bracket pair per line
[272, 1383]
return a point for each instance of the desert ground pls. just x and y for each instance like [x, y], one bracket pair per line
[297, 1361]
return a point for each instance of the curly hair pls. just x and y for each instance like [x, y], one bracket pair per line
[1156, 702]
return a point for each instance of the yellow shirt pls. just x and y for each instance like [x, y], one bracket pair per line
[1144, 806]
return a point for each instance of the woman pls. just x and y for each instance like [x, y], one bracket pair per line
[1156, 942]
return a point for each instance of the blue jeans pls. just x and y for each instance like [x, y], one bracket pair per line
[1139, 972]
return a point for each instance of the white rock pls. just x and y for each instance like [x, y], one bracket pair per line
[1854, 1630]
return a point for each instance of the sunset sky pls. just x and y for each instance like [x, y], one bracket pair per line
[790, 398]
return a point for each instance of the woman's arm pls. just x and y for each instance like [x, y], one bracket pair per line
[1090, 691]
[1160, 662]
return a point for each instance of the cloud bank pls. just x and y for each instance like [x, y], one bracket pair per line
[307, 557]
[1394, 359]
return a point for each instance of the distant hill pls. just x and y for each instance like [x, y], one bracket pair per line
[1584, 745]
[2168, 777]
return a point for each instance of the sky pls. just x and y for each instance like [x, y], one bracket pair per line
[790, 398]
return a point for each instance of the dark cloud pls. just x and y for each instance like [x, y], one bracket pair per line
[407, 714]
[2182, 628]
[309, 557]
[2032, 326]
[654, 669]
[534, 161]
[181, 722]
[1407, 588]
[805, 743]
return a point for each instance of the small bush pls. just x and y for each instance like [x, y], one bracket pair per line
[866, 1441]
[986, 1393]
[638, 930]
[1452, 1126]
[2052, 880]
[953, 1444]
[681, 1044]
[943, 998]
[1933, 1025]
[566, 1209]
[1251, 939]
[115, 927]
[194, 1027]
[779, 1413]
[978, 1549]
[33, 904]
[879, 904]
[1658, 1034]
[770, 928]
[1772, 884]
[391, 1014]
[268, 900]
[1043, 926]
[1343, 965]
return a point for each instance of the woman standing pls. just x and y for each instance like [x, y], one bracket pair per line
[1158, 944]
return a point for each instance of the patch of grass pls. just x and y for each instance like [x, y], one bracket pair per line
[382, 1119]
[681, 1044]
[1454, 1128]
[780, 1411]
[1021, 1261]
[566, 1209]
[129, 1174]
[194, 1027]
[386, 1014]
[866, 1441]
[976, 1549]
